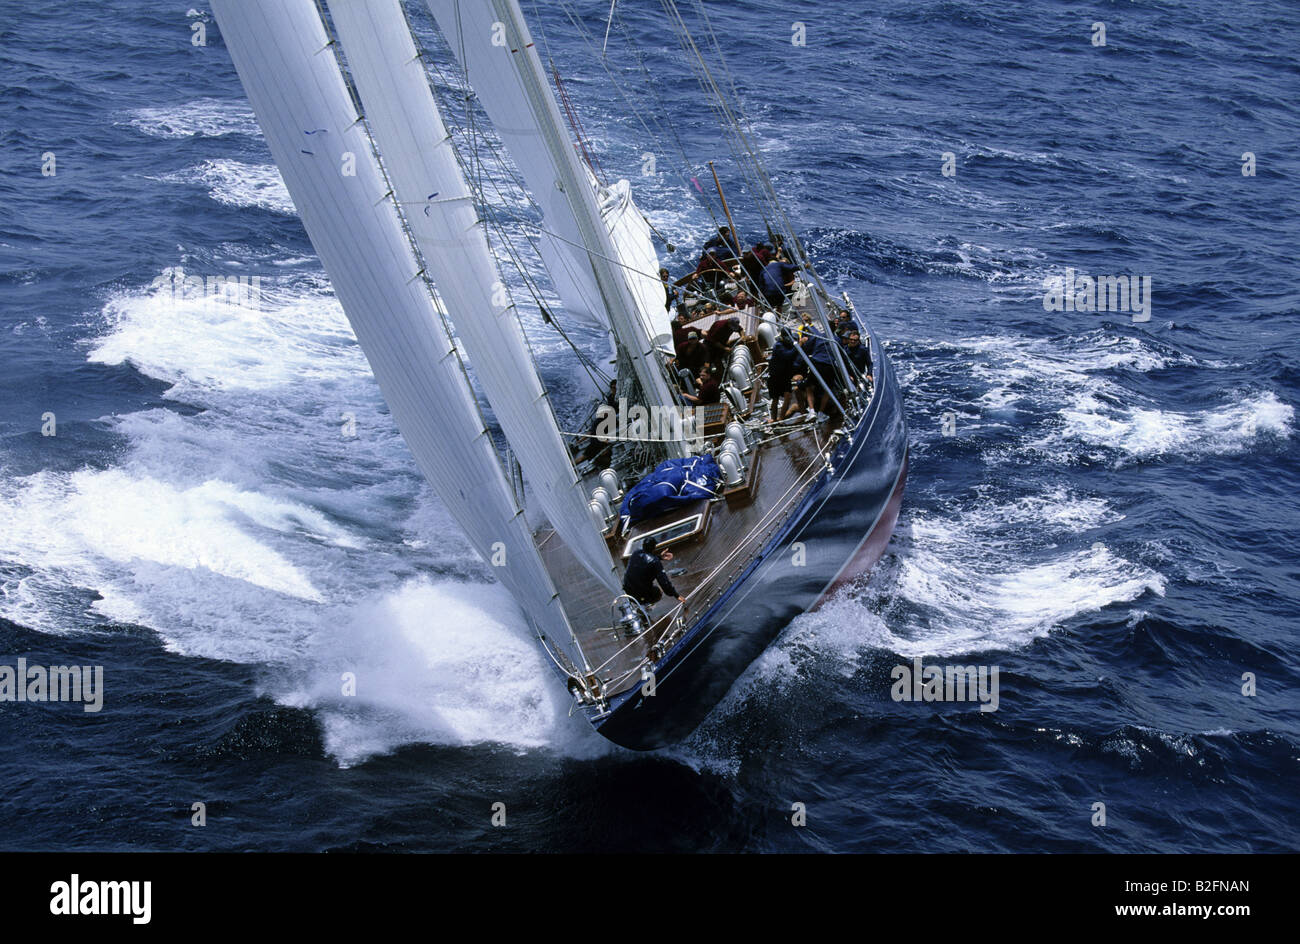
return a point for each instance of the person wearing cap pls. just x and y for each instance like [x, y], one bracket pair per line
[693, 354]
[645, 569]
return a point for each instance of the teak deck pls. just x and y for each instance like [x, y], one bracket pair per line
[740, 524]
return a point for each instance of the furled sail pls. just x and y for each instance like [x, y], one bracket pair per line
[494, 47]
[630, 234]
[421, 164]
[294, 84]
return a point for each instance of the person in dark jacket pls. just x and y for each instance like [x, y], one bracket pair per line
[778, 279]
[843, 324]
[859, 354]
[693, 354]
[780, 371]
[724, 245]
[718, 338]
[823, 370]
[680, 330]
[645, 569]
[751, 265]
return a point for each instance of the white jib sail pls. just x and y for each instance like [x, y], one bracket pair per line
[497, 52]
[293, 82]
[418, 156]
[560, 243]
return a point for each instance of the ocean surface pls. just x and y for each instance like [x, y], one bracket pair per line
[1112, 522]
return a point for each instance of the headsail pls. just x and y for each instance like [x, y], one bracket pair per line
[294, 84]
[560, 244]
[497, 52]
[421, 164]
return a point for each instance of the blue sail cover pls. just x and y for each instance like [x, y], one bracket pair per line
[673, 483]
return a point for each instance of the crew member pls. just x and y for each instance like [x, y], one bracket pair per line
[778, 279]
[843, 324]
[707, 389]
[780, 373]
[859, 354]
[724, 245]
[645, 568]
[718, 338]
[672, 297]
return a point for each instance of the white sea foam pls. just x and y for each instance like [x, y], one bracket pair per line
[441, 662]
[990, 576]
[963, 583]
[1141, 433]
[256, 531]
[296, 333]
[240, 184]
[1091, 414]
[61, 521]
[203, 118]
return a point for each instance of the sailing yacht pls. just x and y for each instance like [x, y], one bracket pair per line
[765, 515]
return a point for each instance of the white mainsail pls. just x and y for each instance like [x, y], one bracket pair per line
[421, 164]
[498, 55]
[294, 84]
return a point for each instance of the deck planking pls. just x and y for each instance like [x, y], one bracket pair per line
[742, 524]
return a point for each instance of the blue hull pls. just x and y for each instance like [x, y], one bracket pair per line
[844, 522]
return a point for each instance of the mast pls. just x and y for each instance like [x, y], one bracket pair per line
[513, 72]
[438, 206]
[295, 86]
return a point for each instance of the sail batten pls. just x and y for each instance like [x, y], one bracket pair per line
[405, 122]
[296, 88]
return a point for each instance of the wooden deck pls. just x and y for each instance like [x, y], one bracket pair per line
[738, 527]
[740, 522]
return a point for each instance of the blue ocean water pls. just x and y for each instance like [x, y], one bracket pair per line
[1112, 522]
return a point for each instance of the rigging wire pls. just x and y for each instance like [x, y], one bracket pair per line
[474, 168]
[655, 134]
[735, 129]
